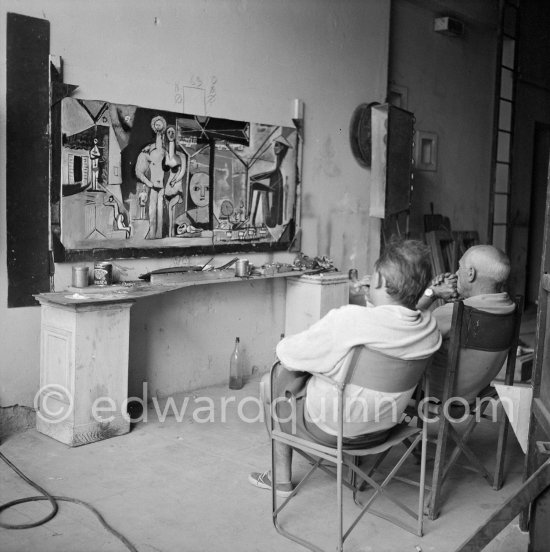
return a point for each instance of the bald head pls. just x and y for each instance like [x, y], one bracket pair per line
[482, 269]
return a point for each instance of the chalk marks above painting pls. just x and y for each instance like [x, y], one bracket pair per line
[134, 182]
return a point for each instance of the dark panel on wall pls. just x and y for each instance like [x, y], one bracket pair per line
[399, 155]
[534, 46]
[27, 160]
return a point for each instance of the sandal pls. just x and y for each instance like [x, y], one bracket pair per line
[263, 481]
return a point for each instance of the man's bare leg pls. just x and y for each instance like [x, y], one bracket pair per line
[283, 465]
[283, 453]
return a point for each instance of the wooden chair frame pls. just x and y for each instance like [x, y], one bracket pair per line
[321, 456]
[462, 332]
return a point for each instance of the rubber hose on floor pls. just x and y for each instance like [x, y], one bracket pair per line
[53, 501]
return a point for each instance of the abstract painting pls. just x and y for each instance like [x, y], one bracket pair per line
[139, 182]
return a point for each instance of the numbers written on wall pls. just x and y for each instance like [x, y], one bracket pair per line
[211, 95]
[197, 88]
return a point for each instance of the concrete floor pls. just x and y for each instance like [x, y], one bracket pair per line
[181, 485]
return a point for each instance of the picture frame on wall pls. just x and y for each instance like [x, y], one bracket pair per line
[425, 150]
[132, 182]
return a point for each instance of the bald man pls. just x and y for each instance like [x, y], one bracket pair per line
[480, 280]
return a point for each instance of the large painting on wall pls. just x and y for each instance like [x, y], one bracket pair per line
[136, 182]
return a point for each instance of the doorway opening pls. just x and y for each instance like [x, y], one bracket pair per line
[541, 158]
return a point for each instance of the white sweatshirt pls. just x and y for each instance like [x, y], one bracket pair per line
[391, 329]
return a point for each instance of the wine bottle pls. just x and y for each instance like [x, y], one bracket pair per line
[236, 367]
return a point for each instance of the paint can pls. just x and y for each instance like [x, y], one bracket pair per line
[103, 274]
[80, 276]
[242, 268]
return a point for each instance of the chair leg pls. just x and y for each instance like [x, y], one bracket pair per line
[356, 484]
[318, 463]
[460, 447]
[437, 476]
[361, 486]
[380, 489]
[498, 477]
[353, 476]
[339, 505]
[422, 482]
[273, 486]
[467, 451]
[277, 509]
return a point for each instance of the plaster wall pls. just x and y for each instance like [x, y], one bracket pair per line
[449, 86]
[254, 58]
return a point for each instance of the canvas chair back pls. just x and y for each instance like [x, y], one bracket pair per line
[380, 372]
[484, 341]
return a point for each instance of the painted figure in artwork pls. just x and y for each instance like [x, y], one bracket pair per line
[150, 171]
[196, 217]
[119, 220]
[143, 196]
[176, 163]
[272, 192]
[94, 156]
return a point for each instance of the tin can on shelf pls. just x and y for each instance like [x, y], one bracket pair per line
[242, 268]
[103, 274]
[80, 276]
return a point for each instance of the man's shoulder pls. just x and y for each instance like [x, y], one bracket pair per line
[350, 311]
[356, 314]
[443, 310]
[443, 316]
[370, 310]
[497, 303]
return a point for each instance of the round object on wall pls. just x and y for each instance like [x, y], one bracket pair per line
[226, 208]
[360, 133]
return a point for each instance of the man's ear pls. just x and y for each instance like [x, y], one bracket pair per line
[378, 280]
[471, 274]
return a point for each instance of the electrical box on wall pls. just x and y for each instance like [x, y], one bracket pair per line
[448, 26]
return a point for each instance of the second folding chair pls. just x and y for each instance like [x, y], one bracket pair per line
[480, 343]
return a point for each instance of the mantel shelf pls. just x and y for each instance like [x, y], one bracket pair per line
[131, 291]
[85, 342]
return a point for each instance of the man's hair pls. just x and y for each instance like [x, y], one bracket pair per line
[490, 263]
[406, 267]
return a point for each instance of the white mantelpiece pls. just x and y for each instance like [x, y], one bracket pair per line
[310, 297]
[83, 371]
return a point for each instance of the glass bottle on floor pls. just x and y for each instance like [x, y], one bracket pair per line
[236, 367]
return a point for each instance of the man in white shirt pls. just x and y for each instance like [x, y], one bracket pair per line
[390, 324]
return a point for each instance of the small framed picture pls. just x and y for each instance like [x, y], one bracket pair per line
[425, 150]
